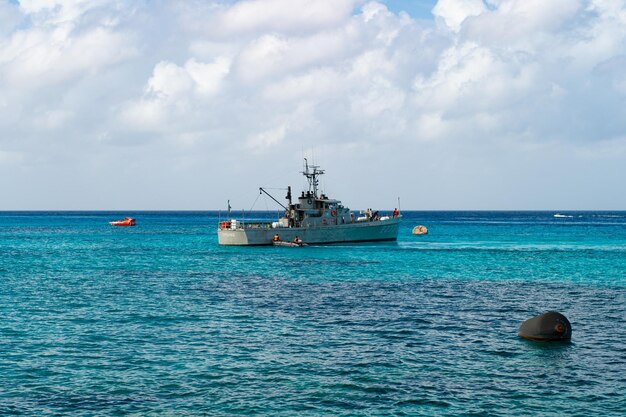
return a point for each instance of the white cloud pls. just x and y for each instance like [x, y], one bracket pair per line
[275, 55]
[58, 11]
[253, 16]
[483, 83]
[454, 12]
[315, 84]
[381, 96]
[208, 77]
[9, 18]
[145, 114]
[50, 54]
[169, 80]
[431, 126]
[171, 93]
[469, 73]
[267, 139]
[53, 119]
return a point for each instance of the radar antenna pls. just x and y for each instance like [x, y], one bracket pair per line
[311, 172]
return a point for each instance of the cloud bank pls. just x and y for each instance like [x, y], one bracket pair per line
[497, 104]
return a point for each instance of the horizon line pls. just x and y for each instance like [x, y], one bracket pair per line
[269, 211]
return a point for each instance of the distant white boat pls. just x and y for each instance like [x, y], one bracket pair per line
[559, 215]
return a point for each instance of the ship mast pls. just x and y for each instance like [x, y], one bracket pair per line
[311, 172]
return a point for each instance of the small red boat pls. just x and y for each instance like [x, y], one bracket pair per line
[126, 222]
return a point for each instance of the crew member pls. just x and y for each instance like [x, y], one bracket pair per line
[396, 213]
[276, 239]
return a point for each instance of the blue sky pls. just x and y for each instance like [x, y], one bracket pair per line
[456, 104]
[420, 9]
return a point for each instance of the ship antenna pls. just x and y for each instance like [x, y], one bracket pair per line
[312, 173]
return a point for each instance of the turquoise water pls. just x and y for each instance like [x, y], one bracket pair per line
[160, 320]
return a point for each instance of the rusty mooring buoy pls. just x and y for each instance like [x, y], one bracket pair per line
[550, 326]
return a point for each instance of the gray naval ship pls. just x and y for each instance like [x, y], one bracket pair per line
[314, 219]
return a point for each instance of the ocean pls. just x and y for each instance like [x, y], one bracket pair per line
[159, 320]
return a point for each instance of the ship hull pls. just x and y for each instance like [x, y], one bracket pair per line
[379, 230]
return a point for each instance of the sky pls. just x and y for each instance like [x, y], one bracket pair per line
[447, 105]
